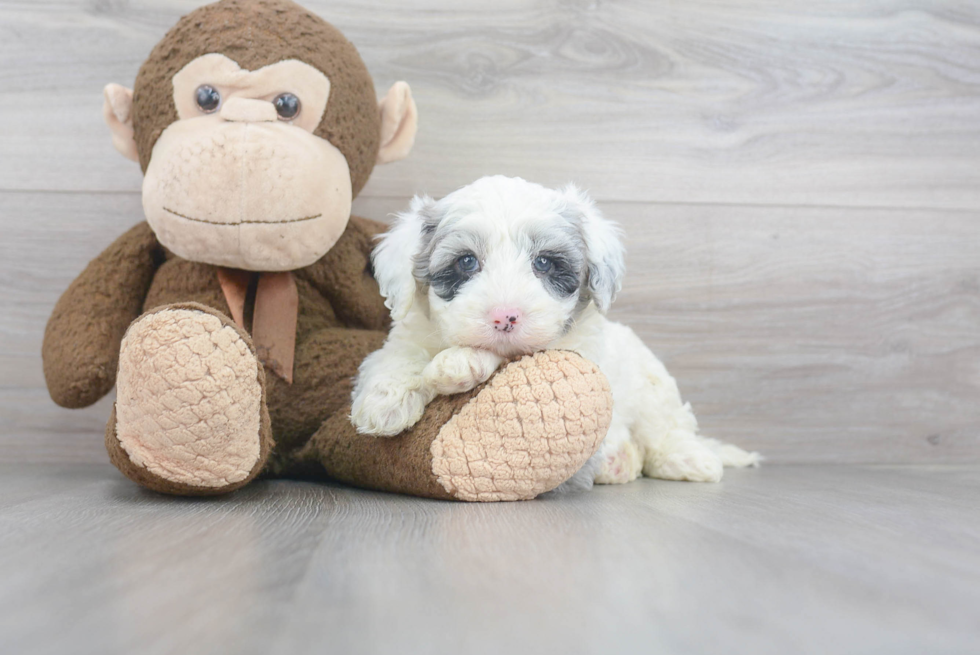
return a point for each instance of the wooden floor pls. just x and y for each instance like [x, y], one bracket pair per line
[800, 187]
[790, 559]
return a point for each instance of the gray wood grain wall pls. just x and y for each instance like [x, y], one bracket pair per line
[800, 184]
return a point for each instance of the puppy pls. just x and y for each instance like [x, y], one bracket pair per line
[504, 267]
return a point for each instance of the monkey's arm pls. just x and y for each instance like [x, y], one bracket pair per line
[345, 278]
[82, 339]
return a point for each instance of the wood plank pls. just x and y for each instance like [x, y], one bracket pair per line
[870, 104]
[815, 334]
[806, 559]
[811, 334]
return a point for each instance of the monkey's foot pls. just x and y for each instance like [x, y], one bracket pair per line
[532, 426]
[190, 414]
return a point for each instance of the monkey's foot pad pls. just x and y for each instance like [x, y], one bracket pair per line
[189, 402]
[531, 428]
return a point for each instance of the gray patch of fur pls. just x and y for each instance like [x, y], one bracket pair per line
[564, 245]
[440, 246]
[430, 225]
[602, 279]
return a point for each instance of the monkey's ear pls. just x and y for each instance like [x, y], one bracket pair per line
[118, 113]
[399, 123]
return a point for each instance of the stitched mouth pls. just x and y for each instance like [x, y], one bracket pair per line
[206, 222]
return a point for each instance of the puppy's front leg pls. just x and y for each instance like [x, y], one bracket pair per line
[390, 393]
[456, 369]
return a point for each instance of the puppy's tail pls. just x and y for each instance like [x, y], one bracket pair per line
[731, 455]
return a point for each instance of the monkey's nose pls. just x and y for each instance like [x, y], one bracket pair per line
[248, 110]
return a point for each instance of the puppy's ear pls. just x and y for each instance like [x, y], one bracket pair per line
[604, 250]
[394, 258]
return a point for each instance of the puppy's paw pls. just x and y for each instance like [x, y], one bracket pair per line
[619, 466]
[694, 465]
[456, 369]
[387, 408]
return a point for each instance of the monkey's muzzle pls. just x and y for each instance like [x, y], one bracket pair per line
[256, 196]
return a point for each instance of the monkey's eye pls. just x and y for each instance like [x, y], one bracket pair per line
[207, 97]
[287, 106]
[543, 264]
[468, 264]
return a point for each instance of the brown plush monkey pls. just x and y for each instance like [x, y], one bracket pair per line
[232, 320]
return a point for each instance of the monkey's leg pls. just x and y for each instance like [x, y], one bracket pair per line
[522, 433]
[325, 365]
[190, 416]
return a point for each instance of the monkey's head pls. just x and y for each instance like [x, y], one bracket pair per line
[256, 124]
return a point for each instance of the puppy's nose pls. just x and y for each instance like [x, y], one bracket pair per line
[505, 319]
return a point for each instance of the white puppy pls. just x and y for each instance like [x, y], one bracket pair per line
[504, 267]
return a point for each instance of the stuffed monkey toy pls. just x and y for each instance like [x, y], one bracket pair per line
[232, 321]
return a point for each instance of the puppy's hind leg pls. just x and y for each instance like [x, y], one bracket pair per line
[666, 429]
[674, 451]
[619, 459]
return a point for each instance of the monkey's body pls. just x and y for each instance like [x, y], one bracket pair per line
[341, 319]
[204, 402]
[331, 337]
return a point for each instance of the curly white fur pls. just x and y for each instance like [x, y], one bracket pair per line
[503, 267]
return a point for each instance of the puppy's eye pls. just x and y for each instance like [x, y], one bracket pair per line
[543, 264]
[287, 106]
[468, 264]
[207, 97]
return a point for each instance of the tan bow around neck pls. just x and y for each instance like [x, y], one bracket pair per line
[273, 317]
